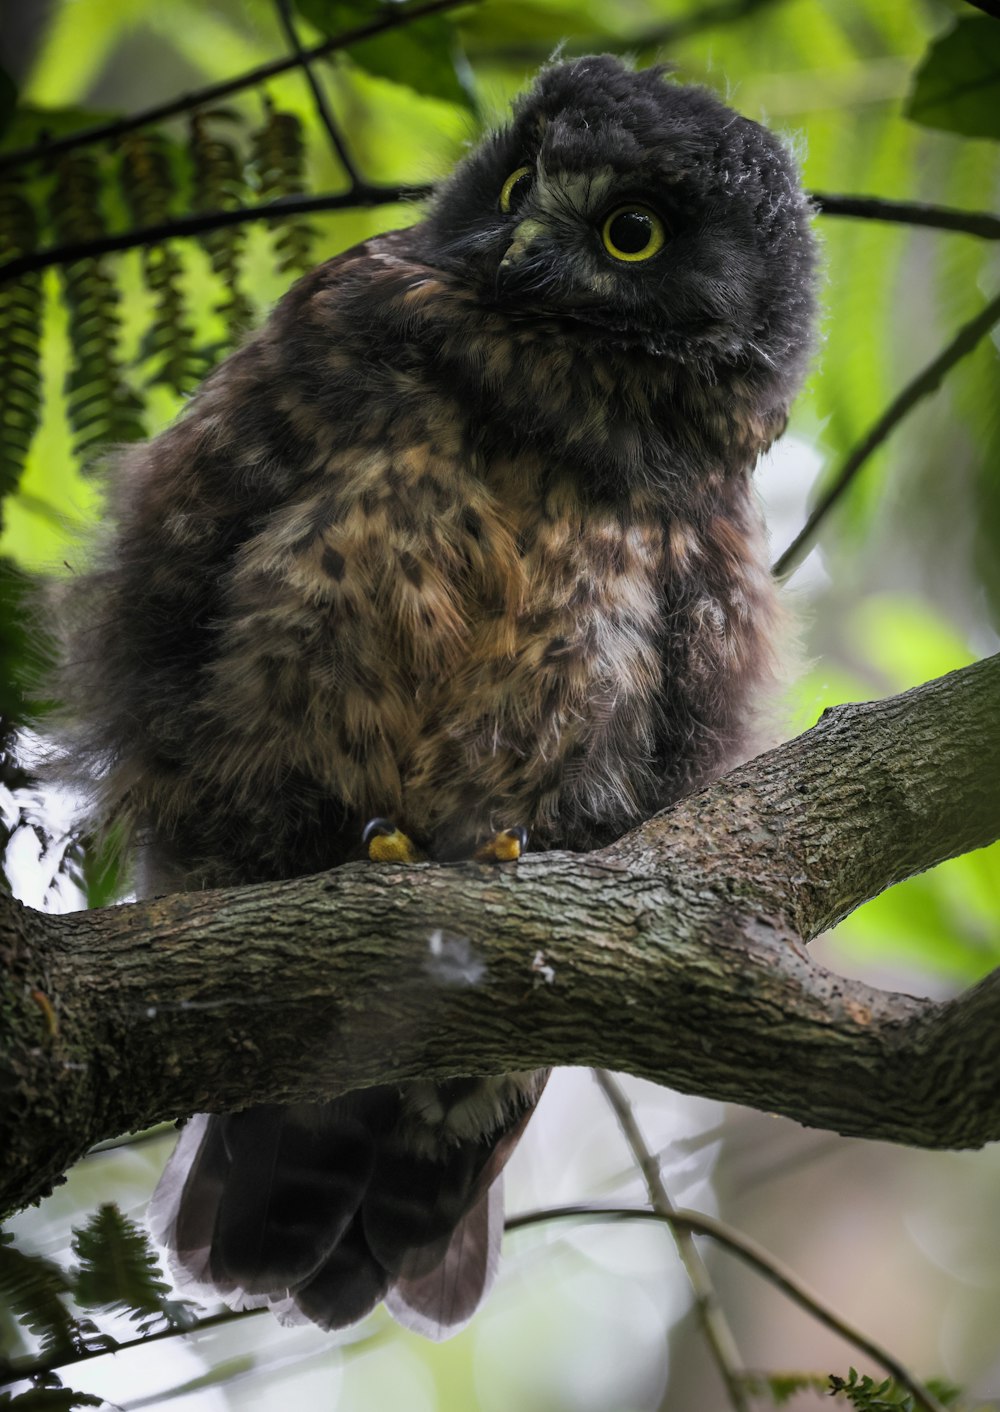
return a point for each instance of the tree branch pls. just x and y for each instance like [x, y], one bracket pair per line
[926, 382]
[323, 111]
[675, 954]
[765, 1264]
[202, 221]
[909, 213]
[394, 17]
[708, 1310]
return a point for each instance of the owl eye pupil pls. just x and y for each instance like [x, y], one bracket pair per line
[631, 231]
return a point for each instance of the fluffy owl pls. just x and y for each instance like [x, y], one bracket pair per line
[463, 539]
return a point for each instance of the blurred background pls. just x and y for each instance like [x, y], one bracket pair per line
[902, 584]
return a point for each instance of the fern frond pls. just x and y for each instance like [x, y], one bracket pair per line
[49, 1399]
[278, 163]
[782, 1387]
[102, 407]
[148, 185]
[119, 1272]
[21, 309]
[864, 1394]
[219, 185]
[33, 1287]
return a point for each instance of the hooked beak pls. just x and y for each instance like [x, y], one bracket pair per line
[525, 233]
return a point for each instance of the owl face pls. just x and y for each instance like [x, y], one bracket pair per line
[644, 213]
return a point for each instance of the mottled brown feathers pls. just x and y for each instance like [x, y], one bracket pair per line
[464, 537]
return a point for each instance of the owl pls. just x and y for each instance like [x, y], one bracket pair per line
[462, 542]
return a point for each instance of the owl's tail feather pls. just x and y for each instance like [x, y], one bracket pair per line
[442, 1301]
[303, 1208]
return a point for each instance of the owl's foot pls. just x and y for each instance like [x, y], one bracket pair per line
[387, 844]
[505, 846]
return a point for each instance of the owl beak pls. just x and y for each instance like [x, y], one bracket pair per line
[524, 234]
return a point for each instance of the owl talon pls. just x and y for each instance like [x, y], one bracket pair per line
[388, 844]
[505, 846]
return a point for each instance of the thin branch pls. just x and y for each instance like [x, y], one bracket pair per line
[911, 213]
[758, 1259]
[203, 221]
[392, 18]
[709, 1311]
[319, 97]
[926, 382]
[20, 1368]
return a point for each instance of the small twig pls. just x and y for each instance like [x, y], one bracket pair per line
[392, 18]
[202, 221]
[20, 1368]
[911, 213]
[921, 386]
[758, 1259]
[710, 1313]
[319, 97]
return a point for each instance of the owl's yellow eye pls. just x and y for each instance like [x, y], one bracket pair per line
[515, 189]
[633, 233]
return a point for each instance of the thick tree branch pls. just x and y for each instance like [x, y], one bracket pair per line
[675, 954]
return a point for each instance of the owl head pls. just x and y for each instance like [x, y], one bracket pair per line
[644, 213]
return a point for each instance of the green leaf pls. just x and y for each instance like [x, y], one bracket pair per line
[424, 54]
[957, 87]
[33, 1288]
[119, 1272]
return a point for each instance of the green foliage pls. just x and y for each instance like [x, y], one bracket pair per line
[866, 1395]
[148, 184]
[84, 196]
[33, 1288]
[782, 1387]
[218, 183]
[20, 329]
[49, 1399]
[119, 1272]
[277, 170]
[425, 55]
[957, 87]
[101, 404]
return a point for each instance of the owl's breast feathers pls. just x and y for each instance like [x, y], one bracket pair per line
[411, 556]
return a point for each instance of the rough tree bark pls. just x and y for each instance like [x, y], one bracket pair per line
[676, 954]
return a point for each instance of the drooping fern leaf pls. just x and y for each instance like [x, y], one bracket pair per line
[218, 184]
[49, 1399]
[866, 1395]
[278, 164]
[148, 185]
[102, 407]
[119, 1272]
[21, 307]
[33, 1289]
